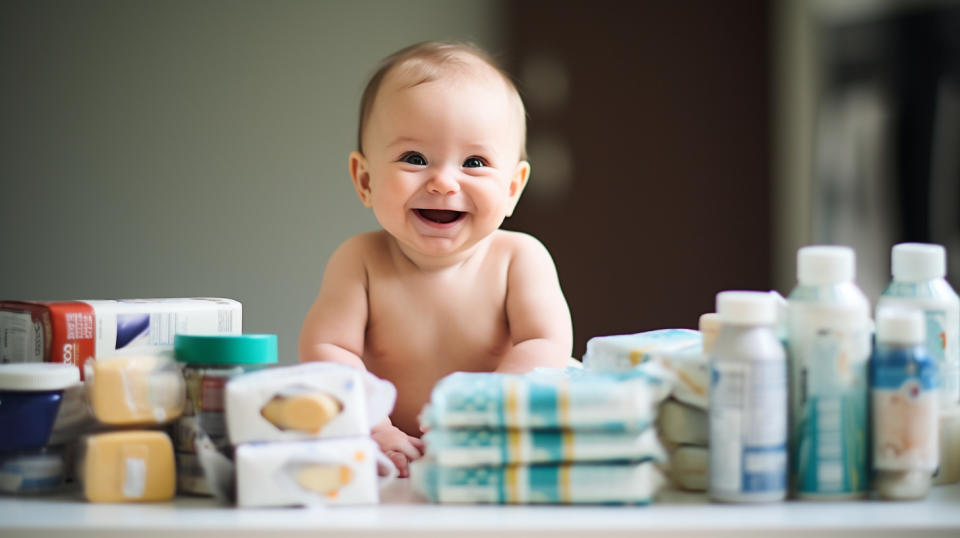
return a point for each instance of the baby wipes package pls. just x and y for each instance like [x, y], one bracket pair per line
[680, 351]
[500, 447]
[136, 389]
[548, 399]
[592, 483]
[73, 332]
[331, 471]
[306, 401]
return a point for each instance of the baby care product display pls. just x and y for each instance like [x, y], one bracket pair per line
[72, 332]
[550, 436]
[303, 434]
[208, 362]
[748, 402]
[905, 406]
[829, 347]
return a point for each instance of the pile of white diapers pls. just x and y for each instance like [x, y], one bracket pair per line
[682, 418]
[302, 434]
[550, 436]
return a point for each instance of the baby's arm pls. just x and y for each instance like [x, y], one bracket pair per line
[537, 313]
[336, 323]
[334, 331]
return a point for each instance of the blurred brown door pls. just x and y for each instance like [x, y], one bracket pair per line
[650, 123]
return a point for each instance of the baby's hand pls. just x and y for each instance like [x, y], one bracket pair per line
[399, 447]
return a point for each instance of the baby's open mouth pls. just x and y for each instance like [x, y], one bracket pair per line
[440, 216]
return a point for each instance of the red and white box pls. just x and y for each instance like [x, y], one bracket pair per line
[73, 332]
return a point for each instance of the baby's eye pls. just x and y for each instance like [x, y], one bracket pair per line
[414, 159]
[473, 162]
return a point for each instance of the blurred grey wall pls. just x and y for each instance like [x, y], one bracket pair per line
[193, 148]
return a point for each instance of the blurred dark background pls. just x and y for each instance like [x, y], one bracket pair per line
[662, 122]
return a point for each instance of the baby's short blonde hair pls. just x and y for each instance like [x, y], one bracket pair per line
[428, 61]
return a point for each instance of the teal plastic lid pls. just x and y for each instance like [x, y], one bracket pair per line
[226, 349]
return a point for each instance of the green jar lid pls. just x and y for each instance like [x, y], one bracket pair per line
[226, 349]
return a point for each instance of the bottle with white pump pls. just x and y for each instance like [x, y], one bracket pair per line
[828, 348]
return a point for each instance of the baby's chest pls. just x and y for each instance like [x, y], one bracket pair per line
[433, 319]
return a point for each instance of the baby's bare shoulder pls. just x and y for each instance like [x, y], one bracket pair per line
[519, 245]
[363, 247]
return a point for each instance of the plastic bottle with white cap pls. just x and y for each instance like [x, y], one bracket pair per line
[919, 271]
[828, 345]
[918, 282]
[748, 402]
[905, 407]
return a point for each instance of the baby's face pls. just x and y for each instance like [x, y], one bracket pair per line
[442, 160]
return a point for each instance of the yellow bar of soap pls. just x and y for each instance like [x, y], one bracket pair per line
[128, 466]
[308, 412]
[131, 390]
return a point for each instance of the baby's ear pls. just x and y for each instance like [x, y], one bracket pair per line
[361, 177]
[517, 183]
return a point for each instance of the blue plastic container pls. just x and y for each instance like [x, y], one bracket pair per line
[30, 395]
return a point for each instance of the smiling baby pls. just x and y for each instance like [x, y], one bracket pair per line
[440, 289]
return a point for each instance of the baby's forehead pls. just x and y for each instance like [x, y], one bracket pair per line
[458, 69]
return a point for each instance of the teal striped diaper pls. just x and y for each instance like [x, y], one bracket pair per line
[468, 448]
[606, 483]
[549, 399]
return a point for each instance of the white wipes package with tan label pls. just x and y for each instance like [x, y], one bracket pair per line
[306, 401]
[331, 471]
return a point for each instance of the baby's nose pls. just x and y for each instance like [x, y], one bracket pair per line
[444, 182]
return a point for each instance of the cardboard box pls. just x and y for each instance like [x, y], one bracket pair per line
[73, 332]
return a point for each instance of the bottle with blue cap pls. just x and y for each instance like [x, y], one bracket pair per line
[828, 347]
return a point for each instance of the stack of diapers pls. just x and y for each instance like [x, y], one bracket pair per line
[682, 418]
[550, 436]
[302, 434]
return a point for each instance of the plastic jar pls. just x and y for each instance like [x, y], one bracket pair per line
[30, 395]
[209, 361]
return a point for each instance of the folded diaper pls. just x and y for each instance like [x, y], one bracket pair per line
[689, 467]
[683, 424]
[306, 401]
[621, 352]
[499, 447]
[608, 483]
[677, 350]
[548, 399]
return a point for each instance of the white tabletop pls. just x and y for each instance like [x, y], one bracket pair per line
[401, 514]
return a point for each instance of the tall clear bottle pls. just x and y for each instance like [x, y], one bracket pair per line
[748, 402]
[828, 348]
